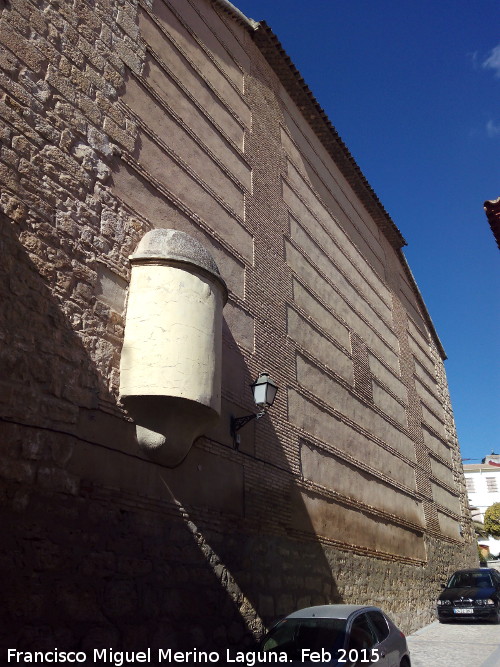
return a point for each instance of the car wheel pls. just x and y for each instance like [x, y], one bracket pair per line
[497, 617]
[443, 620]
[405, 662]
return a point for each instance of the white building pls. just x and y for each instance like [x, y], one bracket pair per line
[483, 489]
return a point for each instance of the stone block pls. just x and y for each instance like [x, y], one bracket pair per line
[101, 637]
[17, 43]
[120, 599]
[116, 133]
[57, 480]
[17, 471]
[284, 604]
[133, 567]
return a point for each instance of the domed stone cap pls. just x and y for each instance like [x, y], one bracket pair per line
[171, 244]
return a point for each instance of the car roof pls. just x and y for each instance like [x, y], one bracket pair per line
[331, 611]
[475, 569]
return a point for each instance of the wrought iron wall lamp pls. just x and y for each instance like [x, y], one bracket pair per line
[264, 392]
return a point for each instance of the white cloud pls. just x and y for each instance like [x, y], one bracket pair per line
[493, 61]
[492, 130]
[474, 59]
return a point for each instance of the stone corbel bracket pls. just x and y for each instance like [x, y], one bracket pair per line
[170, 367]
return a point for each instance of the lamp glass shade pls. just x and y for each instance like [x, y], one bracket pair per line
[264, 390]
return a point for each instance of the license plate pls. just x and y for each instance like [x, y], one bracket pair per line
[463, 611]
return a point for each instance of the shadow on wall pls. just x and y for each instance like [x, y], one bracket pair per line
[102, 548]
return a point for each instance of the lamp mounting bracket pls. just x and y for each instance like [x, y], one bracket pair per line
[240, 422]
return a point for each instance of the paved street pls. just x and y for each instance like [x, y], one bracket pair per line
[460, 644]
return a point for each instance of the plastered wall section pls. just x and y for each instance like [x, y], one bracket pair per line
[343, 270]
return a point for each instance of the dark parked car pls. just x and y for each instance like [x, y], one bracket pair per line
[471, 594]
[339, 634]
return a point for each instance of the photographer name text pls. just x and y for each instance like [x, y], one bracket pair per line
[120, 658]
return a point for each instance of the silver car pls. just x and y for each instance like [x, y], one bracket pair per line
[343, 635]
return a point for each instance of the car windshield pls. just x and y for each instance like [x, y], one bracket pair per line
[293, 635]
[470, 580]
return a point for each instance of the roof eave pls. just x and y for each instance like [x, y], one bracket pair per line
[233, 11]
[299, 91]
[492, 210]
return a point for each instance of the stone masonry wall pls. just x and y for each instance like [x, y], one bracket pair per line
[118, 117]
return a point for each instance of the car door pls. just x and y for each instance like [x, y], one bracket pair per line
[496, 583]
[363, 645]
[388, 647]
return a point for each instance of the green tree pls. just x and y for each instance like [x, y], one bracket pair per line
[492, 520]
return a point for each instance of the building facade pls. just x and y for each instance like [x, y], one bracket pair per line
[492, 210]
[482, 481]
[122, 119]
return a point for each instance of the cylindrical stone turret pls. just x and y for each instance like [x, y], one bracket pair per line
[170, 370]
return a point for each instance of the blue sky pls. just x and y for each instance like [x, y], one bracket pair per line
[413, 88]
